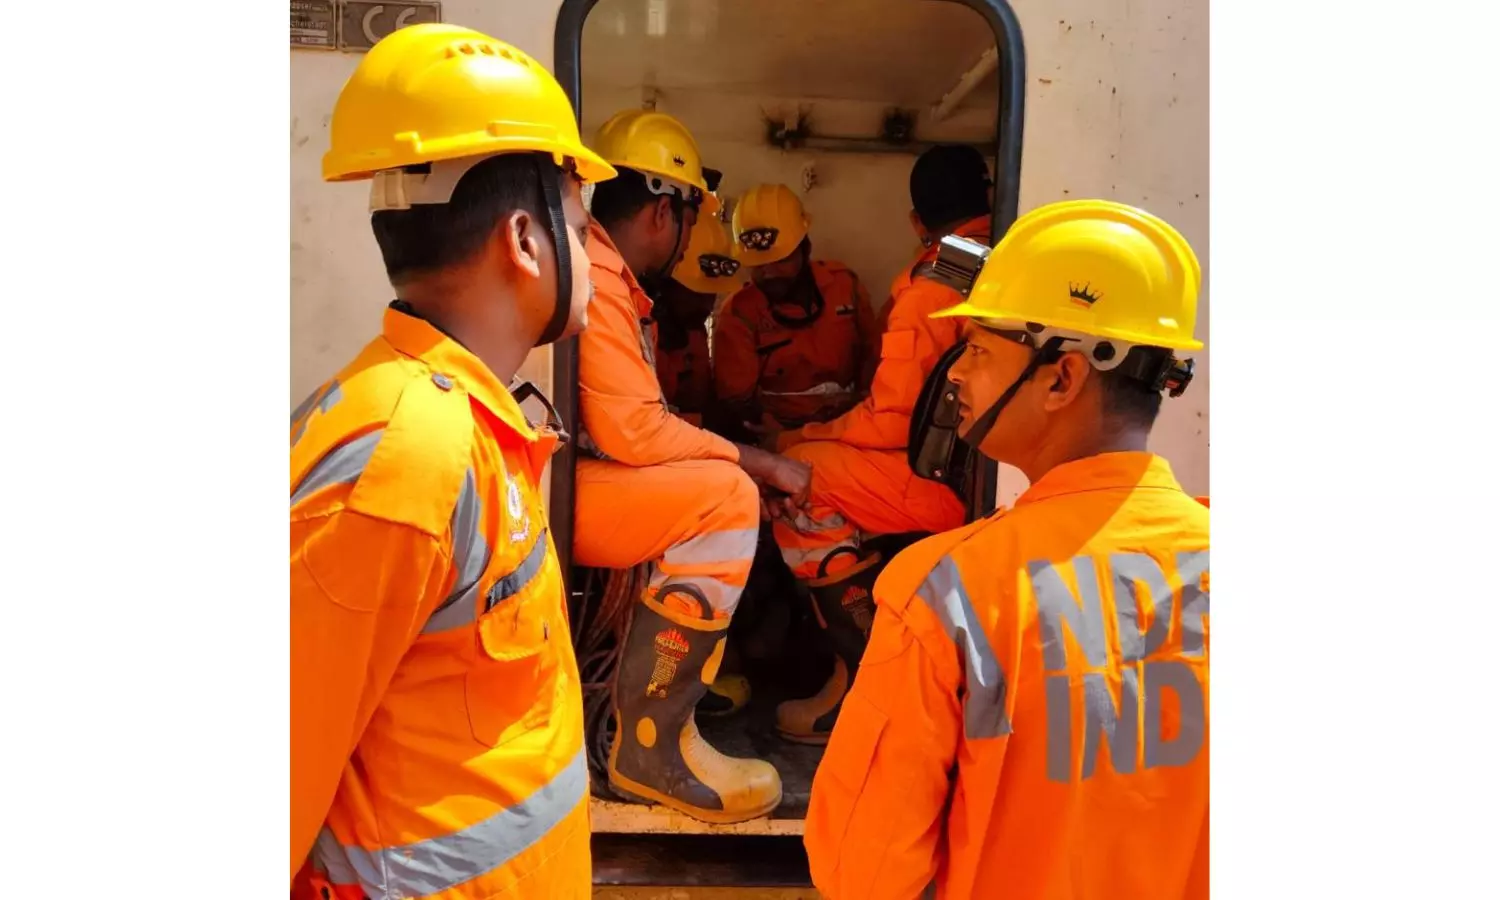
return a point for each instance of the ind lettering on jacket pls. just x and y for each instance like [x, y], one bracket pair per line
[1156, 714]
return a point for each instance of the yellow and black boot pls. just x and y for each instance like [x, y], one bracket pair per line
[844, 603]
[657, 756]
[726, 696]
[730, 691]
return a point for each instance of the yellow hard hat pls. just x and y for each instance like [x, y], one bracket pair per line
[1091, 269]
[654, 143]
[769, 223]
[707, 265]
[432, 92]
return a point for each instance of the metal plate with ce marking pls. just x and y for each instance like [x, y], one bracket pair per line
[362, 23]
[314, 24]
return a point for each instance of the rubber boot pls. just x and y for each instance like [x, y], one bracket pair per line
[726, 696]
[730, 691]
[845, 608]
[657, 756]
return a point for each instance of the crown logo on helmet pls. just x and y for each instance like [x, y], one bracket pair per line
[1083, 294]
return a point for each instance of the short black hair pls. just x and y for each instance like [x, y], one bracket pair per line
[431, 237]
[1127, 401]
[949, 183]
[623, 196]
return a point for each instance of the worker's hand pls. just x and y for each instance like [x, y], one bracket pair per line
[788, 476]
[777, 506]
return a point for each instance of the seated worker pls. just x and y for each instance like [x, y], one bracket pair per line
[796, 345]
[653, 488]
[862, 484]
[681, 313]
[1001, 739]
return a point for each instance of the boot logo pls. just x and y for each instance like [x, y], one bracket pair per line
[856, 602]
[671, 647]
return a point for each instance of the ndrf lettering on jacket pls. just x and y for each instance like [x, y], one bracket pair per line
[1156, 652]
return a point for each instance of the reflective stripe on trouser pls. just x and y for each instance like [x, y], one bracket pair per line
[475, 857]
[858, 492]
[695, 521]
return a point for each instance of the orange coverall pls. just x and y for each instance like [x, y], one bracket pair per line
[836, 348]
[657, 488]
[861, 482]
[687, 380]
[437, 719]
[1030, 718]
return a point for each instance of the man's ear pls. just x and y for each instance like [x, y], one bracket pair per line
[662, 214]
[1069, 376]
[520, 236]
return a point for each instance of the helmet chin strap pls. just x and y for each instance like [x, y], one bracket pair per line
[547, 172]
[977, 432]
[679, 219]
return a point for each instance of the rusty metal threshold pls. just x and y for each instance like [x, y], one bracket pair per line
[700, 860]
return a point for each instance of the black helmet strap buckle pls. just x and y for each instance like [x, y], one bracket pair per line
[1157, 370]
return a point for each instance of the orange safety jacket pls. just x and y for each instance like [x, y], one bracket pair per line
[796, 373]
[437, 719]
[910, 345]
[623, 413]
[684, 372]
[1030, 718]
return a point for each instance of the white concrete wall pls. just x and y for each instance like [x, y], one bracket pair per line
[1117, 106]
[859, 204]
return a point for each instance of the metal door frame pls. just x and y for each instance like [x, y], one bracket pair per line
[567, 64]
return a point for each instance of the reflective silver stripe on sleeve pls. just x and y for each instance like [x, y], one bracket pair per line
[516, 581]
[465, 612]
[342, 465]
[471, 556]
[984, 683]
[437, 864]
[325, 399]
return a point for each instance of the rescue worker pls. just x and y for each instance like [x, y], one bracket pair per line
[797, 344]
[653, 488]
[680, 312]
[862, 483]
[707, 269]
[1031, 715]
[437, 720]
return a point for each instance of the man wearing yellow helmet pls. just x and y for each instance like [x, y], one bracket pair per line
[681, 310]
[437, 720]
[654, 488]
[798, 344]
[1030, 718]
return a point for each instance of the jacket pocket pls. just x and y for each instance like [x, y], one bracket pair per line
[510, 687]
